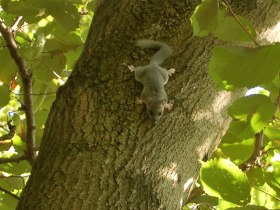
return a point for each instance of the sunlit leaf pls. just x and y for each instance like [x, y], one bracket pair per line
[8, 67]
[4, 95]
[18, 143]
[272, 131]
[34, 50]
[46, 66]
[223, 179]
[256, 176]
[16, 168]
[238, 131]
[265, 196]
[258, 109]
[273, 178]
[225, 205]
[230, 30]
[21, 9]
[251, 207]
[12, 183]
[238, 152]
[236, 67]
[205, 18]
[7, 202]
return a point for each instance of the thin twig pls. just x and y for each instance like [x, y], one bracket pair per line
[196, 192]
[26, 78]
[274, 148]
[245, 29]
[10, 134]
[13, 159]
[257, 153]
[202, 204]
[35, 94]
[278, 199]
[15, 24]
[9, 193]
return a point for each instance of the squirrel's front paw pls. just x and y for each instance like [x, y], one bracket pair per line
[171, 71]
[131, 68]
[168, 106]
[139, 101]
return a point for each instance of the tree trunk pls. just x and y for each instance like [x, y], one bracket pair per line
[100, 150]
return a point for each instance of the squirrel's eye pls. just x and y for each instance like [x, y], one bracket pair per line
[151, 113]
[159, 113]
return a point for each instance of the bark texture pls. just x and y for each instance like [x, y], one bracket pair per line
[100, 150]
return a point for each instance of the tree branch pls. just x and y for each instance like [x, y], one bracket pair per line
[13, 159]
[36, 94]
[9, 193]
[257, 153]
[26, 78]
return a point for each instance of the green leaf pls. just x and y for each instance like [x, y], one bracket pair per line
[71, 42]
[236, 67]
[272, 131]
[223, 179]
[237, 132]
[20, 8]
[212, 201]
[273, 178]
[256, 176]
[84, 27]
[41, 117]
[8, 67]
[225, 205]
[4, 95]
[264, 196]
[16, 119]
[8, 19]
[205, 18]
[46, 94]
[16, 168]
[72, 56]
[238, 152]
[45, 67]
[5, 146]
[11, 183]
[257, 109]
[64, 12]
[248, 208]
[230, 30]
[7, 202]
[34, 50]
[18, 143]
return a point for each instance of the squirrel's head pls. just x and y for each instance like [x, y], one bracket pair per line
[155, 109]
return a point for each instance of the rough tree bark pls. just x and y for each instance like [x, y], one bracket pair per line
[100, 150]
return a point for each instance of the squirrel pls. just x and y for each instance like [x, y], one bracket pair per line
[153, 78]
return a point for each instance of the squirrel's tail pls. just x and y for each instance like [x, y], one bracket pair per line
[164, 50]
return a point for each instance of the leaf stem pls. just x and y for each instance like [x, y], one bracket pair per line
[245, 29]
[9, 193]
[257, 153]
[35, 94]
[13, 159]
[278, 199]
